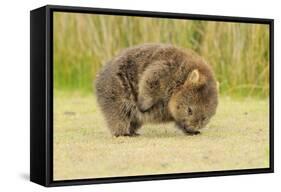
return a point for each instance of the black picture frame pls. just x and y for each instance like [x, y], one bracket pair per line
[41, 94]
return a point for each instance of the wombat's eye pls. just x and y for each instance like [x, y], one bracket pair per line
[189, 110]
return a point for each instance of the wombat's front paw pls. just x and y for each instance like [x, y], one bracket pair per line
[144, 104]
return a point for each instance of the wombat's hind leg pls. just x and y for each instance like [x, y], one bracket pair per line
[124, 128]
[120, 128]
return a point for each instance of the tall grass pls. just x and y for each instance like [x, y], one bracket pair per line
[239, 53]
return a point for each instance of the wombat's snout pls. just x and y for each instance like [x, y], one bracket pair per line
[188, 129]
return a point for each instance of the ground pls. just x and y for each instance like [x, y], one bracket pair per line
[236, 138]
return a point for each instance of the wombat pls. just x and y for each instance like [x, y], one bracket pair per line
[156, 83]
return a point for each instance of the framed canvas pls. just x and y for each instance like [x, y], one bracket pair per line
[125, 95]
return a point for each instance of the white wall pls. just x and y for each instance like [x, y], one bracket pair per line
[14, 93]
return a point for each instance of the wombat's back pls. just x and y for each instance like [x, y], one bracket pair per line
[120, 76]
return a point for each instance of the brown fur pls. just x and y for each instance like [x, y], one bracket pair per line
[155, 83]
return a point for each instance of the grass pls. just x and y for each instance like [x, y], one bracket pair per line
[238, 52]
[236, 138]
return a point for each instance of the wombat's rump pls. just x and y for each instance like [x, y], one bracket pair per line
[155, 83]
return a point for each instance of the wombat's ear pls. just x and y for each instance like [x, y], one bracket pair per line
[193, 77]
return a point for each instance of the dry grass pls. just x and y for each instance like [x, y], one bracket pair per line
[236, 138]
